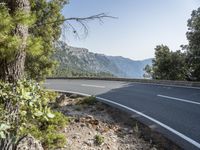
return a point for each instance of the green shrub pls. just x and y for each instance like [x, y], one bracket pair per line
[32, 130]
[54, 140]
[60, 120]
[88, 101]
[99, 139]
[35, 117]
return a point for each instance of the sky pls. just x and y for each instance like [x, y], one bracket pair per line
[141, 25]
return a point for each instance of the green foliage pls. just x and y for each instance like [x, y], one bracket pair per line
[99, 139]
[167, 65]
[3, 130]
[8, 42]
[72, 72]
[35, 117]
[54, 140]
[193, 48]
[88, 101]
[46, 31]
[148, 72]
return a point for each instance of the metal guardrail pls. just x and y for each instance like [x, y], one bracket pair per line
[162, 82]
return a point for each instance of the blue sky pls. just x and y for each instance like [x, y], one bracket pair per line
[141, 25]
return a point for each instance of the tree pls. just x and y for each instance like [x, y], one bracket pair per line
[193, 48]
[148, 72]
[167, 65]
[13, 35]
[38, 62]
[28, 32]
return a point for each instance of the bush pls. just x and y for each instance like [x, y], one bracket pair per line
[88, 101]
[99, 139]
[34, 116]
[53, 141]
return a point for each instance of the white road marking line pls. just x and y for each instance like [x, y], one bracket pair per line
[191, 141]
[167, 85]
[89, 85]
[179, 99]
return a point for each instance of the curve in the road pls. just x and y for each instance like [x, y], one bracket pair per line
[169, 128]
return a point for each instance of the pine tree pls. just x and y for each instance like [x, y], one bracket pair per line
[14, 15]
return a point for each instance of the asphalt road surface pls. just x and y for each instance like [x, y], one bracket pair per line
[173, 110]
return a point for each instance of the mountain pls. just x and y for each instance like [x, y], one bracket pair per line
[79, 61]
[131, 68]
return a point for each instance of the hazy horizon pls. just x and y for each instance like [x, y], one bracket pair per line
[141, 25]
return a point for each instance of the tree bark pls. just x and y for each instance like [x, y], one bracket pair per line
[14, 70]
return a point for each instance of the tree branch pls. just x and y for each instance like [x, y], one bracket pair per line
[78, 19]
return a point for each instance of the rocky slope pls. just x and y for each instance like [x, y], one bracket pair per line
[94, 126]
[80, 59]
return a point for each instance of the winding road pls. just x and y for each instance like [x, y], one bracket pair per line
[172, 110]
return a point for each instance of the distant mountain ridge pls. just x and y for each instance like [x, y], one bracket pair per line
[81, 59]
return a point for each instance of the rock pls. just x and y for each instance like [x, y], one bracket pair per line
[94, 122]
[153, 148]
[131, 132]
[125, 129]
[73, 96]
[89, 117]
[76, 136]
[82, 125]
[65, 130]
[77, 120]
[88, 143]
[29, 143]
[61, 99]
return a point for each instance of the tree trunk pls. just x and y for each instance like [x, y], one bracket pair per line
[13, 71]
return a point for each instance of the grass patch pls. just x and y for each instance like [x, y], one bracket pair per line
[88, 101]
[99, 139]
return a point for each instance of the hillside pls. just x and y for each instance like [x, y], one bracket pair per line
[80, 62]
[131, 68]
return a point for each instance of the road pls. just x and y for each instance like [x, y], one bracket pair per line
[173, 110]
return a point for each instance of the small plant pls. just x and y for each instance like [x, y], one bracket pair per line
[54, 140]
[3, 130]
[88, 101]
[34, 116]
[136, 129]
[99, 139]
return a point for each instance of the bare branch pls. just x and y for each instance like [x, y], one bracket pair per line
[78, 19]
[82, 22]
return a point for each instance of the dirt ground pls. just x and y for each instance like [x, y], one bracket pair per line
[97, 126]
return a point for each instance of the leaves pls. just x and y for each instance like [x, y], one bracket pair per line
[35, 115]
[193, 48]
[167, 65]
[3, 130]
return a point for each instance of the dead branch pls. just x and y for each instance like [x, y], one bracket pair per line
[82, 22]
[79, 19]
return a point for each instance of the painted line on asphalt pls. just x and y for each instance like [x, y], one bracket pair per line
[188, 139]
[176, 86]
[179, 99]
[63, 91]
[89, 85]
